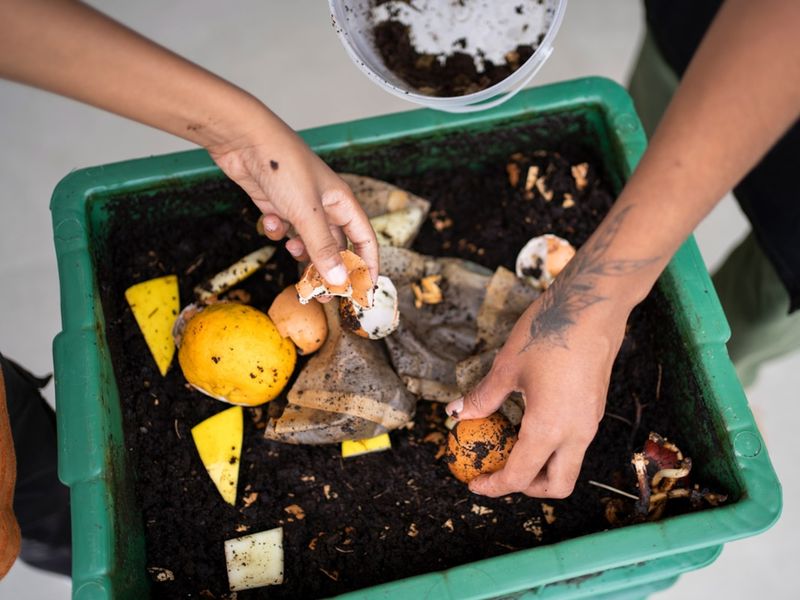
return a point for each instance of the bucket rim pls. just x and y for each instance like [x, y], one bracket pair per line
[510, 85]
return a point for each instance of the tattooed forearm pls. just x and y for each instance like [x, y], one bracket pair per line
[575, 289]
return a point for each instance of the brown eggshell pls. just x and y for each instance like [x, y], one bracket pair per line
[358, 285]
[478, 446]
[304, 324]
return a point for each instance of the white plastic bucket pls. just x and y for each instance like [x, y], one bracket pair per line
[352, 20]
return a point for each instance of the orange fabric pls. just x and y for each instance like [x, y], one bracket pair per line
[9, 529]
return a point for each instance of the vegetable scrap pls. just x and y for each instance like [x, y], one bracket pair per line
[481, 511]
[427, 291]
[296, 511]
[579, 173]
[255, 560]
[155, 304]
[662, 474]
[219, 443]
[233, 275]
[398, 228]
[378, 443]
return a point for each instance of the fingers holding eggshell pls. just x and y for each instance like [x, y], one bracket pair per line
[358, 284]
[479, 446]
[526, 460]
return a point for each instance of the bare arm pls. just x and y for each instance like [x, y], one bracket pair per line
[69, 48]
[739, 95]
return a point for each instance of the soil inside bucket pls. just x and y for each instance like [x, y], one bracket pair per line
[378, 517]
[446, 75]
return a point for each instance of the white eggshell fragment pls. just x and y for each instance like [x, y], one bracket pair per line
[542, 259]
[380, 320]
[255, 560]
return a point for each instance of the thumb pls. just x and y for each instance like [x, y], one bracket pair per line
[322, 248]
[482, 401]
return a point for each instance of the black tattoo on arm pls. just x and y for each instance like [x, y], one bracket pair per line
[575, 289]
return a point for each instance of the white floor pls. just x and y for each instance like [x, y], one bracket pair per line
[287, 54]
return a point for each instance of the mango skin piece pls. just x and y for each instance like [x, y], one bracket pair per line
[155, 305]
[219, 443]
[374, 444]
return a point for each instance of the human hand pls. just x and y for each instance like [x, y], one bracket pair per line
[299, 195]
[563, 376]
[559, 355]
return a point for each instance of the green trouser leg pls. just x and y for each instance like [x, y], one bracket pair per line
[756, 304]
[754, 300]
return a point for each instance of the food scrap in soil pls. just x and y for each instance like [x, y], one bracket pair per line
[491, 233]
[453, 74]
[662, 474]
[358, 512]
[427, 291]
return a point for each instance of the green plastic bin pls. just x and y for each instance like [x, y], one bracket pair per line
[630, 562]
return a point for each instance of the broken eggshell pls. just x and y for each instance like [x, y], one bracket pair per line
[478, 446]
[358, 285]
[304, 324]
[542, 259]
[377, 322]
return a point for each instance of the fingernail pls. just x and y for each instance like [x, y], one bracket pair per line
[454, 408]
[294, 250]
[337, 275]
[270, 225]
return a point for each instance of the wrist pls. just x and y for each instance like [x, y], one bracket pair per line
[230, 120]
[622, 294]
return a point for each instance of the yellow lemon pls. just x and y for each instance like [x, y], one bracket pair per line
[234, 353]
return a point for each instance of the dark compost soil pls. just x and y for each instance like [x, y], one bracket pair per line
[378, 517]
[457, 74]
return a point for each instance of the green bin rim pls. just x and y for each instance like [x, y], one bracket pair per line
[78, 351]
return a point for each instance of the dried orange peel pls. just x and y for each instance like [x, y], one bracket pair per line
[427, 291]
